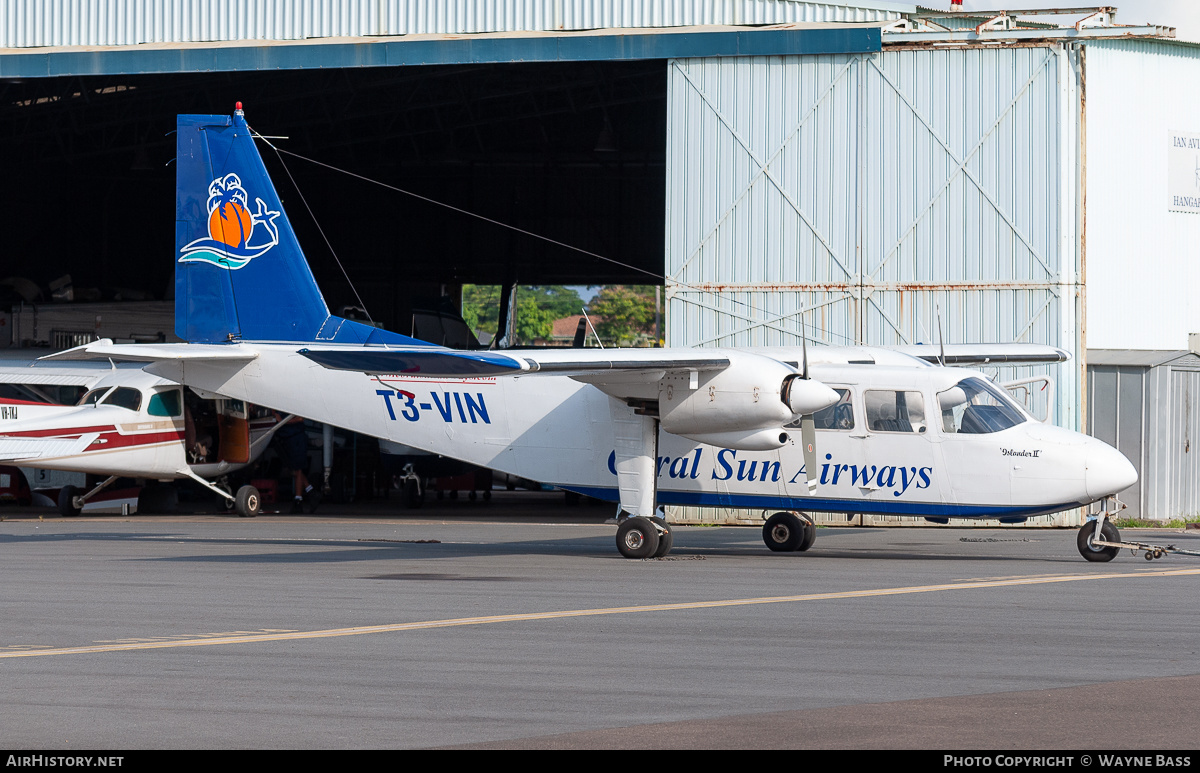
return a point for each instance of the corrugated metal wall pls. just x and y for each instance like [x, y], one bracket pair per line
[874, 189]
[1143, 261]
[1116, 414]
[36, 23]
[1150, 414]
[1183, 468]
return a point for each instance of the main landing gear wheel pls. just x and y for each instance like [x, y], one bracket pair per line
[810, 535]
[784, 533]
[66, 502]
[247, 503]
[666, 539]
[637, 538]
[1093, 552]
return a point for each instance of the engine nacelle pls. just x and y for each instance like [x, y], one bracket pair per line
[744, 406]
[754, 440]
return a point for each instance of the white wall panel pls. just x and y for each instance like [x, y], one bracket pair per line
[1143, 260]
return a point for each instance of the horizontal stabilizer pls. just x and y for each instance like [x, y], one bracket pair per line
[987, 354]
[14, 449]
[105, 349]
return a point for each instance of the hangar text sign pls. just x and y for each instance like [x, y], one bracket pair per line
[1183, 172]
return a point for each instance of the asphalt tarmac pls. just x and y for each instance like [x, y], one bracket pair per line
[517, 625]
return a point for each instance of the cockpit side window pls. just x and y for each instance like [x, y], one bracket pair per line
[975, 407]
[894, 410]
[124, 397]
[167, 403]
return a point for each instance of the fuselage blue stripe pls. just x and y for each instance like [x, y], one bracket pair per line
[866, 506]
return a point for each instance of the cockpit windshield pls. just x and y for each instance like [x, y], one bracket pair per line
[975, 407]
[124, 397]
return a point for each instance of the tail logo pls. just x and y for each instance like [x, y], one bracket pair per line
[232, 228]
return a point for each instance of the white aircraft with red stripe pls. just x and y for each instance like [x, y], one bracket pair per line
[130, 424]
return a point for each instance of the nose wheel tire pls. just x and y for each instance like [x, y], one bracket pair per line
[248, 503]
[637, 538]
[66, 502]
[1093, 552]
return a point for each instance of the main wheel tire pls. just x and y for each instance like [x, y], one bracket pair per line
[666, 538]
[783, 532]
[810, 535]
[1092, 552]
[66, 502]
[248, 503]
[637, 538]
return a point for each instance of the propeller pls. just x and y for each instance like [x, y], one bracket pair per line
[808, 424]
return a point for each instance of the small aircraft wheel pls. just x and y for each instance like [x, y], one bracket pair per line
[1150, 555]
[66, 502]
[247, 503]
[810, 535]
[783, 533]
[637, 538]
[666, 538]
[1093, 552]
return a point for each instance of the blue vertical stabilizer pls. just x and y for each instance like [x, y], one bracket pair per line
[239, 272]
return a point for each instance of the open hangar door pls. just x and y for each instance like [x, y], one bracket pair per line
[570, 151]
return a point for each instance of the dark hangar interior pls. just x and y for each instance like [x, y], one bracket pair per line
[570, 151]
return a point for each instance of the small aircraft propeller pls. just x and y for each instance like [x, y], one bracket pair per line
[805, 402]
[808, 424]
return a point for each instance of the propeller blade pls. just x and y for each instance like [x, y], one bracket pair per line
[808, 435]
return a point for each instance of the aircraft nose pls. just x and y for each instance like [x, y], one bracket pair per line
[1108, 471]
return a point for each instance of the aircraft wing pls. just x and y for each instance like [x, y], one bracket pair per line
[987, 354]
[585, 364]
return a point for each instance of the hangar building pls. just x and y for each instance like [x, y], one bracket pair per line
[871, 164]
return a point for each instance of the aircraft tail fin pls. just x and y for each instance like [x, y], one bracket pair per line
[239, 271]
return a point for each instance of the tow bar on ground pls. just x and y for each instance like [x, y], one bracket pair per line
[1099, 540]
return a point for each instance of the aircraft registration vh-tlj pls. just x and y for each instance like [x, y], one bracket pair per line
[835, 429]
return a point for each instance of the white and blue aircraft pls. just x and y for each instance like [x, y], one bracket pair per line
[834, 429]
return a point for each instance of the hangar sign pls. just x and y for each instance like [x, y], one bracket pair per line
[1183, 172]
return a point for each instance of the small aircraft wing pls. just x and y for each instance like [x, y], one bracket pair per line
[986, 354]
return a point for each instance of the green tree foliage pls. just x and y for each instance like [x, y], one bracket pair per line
[537, 308]
[624, 314]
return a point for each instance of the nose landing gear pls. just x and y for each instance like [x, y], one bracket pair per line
[1099, 540]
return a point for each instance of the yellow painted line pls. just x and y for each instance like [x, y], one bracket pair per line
[276, 635]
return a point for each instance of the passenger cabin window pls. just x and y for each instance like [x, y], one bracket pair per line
[894, 411]
[839, 416]
[166, 403]
[975, 407]
[124, 397]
